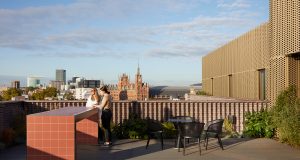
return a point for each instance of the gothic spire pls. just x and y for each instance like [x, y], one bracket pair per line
[138, 69]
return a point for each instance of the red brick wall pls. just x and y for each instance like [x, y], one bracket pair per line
[50, 137]
[159, 110]
[8, 111]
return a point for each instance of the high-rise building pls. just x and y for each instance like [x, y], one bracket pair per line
[15, 84]
[61, 75]
[91, 83]
[33, 81]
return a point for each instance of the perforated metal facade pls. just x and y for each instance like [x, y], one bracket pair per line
[233, 69]
[271, 51]
[285, 39]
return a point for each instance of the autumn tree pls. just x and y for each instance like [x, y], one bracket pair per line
[48, 92]
[11, 92]
[69, 96]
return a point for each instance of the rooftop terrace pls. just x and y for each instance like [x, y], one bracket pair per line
[240, 148]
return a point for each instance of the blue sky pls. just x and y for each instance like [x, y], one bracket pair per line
[101, 39]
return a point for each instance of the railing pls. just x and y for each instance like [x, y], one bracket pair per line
[203, 111]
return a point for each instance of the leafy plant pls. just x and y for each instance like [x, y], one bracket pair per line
[229, 129]
[118, 131]
[48, 92]
[286, 116]
[69, 96]
[258, 124]
[202, 93]
[11, 92]
[134, 127]
[169, 129]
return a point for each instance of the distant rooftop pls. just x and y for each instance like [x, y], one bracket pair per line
[173, 91]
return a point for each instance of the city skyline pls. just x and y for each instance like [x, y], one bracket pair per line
[103, 39]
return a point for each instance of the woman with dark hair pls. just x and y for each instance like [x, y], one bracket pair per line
[106, 113]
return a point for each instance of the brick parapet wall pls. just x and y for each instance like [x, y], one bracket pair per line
[203, 111]
[8, 111]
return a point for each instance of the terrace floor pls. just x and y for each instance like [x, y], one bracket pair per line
[235, 149]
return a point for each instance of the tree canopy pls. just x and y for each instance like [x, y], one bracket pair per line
[69, 96]
[11, 92]
[48, 92]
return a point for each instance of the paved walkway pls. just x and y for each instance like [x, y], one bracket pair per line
[235, 149]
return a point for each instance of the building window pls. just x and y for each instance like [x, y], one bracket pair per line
[212, 86]
[230, 85]
[262, 84]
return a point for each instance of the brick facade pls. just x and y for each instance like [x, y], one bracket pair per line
[125, 90]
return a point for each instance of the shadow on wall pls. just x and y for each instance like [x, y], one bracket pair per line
[33, 154]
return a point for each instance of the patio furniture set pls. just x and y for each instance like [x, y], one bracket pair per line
[187, 128]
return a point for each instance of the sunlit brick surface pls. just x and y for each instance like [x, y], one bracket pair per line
[87, 130]
[51, 135]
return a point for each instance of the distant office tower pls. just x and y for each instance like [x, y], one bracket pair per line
[77, 82]
[33, 81]
[61, 75]
[15, 84]
[57, 84]
[91, 83]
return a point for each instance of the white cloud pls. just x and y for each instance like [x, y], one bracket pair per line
[54, 28]
[77, 54]
[97, 36]
[236, 4]
[177, 50]
[35, 27]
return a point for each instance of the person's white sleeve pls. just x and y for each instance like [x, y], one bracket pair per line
[89, 103]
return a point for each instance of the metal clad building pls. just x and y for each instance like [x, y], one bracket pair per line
[260, 63]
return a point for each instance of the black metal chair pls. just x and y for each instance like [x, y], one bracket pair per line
[177, 120]
[190, 130]
[153, 129]
[213, 129]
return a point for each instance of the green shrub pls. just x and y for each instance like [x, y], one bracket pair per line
[169, 129]
[134, 127]
[202, 93]
[286, 116]
[229, 129]
[258, 124]
[117, 130]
